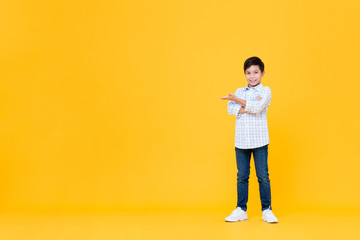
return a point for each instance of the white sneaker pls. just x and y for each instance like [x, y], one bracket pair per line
[237, 215]
[268, 216]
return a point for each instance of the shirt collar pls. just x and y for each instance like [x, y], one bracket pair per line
[257, 88]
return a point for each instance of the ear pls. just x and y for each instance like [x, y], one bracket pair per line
[263, 73]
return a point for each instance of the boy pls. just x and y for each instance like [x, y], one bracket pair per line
[249, 105]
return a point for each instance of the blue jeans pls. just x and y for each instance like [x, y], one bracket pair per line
[243, 165]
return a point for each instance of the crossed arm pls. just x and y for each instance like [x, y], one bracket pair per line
[238, 106]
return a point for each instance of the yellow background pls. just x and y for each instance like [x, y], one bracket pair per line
[114, 105]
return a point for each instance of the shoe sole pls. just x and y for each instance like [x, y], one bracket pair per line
[236, 220]
[270, 222]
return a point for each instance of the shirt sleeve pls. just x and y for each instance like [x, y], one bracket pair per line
[258, 106]
[233, 107]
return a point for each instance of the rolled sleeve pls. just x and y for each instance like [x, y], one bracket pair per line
[258, 106]
[233, 108]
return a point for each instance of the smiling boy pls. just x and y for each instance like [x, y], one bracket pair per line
[249, 105]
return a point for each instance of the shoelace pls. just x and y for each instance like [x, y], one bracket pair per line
[269, 213]
[235, 211]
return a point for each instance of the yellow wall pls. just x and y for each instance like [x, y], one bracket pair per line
[114, 105]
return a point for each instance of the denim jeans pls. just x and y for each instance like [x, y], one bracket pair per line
[243, 165]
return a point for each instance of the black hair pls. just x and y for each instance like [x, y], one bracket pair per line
[254, 61]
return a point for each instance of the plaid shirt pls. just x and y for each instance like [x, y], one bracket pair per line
[251, 128]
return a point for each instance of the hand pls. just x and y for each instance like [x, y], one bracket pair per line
[242, 110]
[230, 96]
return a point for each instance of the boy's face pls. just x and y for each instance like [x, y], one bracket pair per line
[253, 75]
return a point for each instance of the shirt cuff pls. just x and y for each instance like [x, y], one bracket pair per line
[237, 109]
